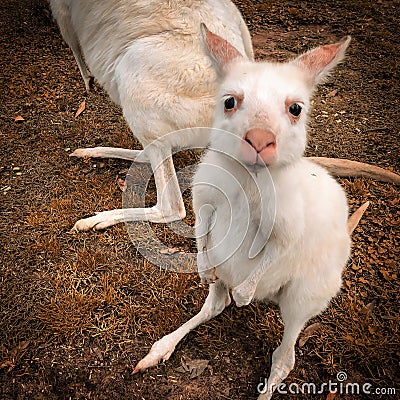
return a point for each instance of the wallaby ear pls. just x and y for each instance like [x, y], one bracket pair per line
[321, 60]
[220, 51]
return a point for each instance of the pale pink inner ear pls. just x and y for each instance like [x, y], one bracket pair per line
[220, 49]
[322, 59]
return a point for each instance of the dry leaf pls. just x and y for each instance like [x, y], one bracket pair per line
[385, 274]
[194, 367]
[6, 364]
[184, 367]
[370, 306]
[21, 347]
[308, 332]
[19, 119]
[198, 367]
[98, 353]
[169, 250]
[373, 330]
[15, 355]
[81, 109]
[122, 184]
[331, 396]
[332, 93]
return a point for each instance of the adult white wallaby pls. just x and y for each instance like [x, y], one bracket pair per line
[148, 57]
[270, 225]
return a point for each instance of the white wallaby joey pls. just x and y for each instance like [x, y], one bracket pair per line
[147, 55]
[270, 225]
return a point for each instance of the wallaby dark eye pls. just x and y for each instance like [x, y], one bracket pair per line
[230, 103]
[295, 109]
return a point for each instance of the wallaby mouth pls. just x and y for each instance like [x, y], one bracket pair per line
[268, 154]
[259, 165]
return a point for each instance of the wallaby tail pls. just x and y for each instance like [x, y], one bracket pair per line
[341, 167]
[355, 217]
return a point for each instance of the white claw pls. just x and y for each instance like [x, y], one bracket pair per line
[242, 295]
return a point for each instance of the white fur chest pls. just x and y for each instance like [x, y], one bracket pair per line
[247, 214]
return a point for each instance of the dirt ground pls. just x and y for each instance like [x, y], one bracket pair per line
[78, 311]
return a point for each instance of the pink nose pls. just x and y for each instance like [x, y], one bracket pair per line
[260, 139]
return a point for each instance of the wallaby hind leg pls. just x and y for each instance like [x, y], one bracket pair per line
[218, 298]
[169, 207]
[62, 14]
[296, 310]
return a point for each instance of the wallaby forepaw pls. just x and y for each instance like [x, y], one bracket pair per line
[242, 295]
[209, 276]
[206, 271]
